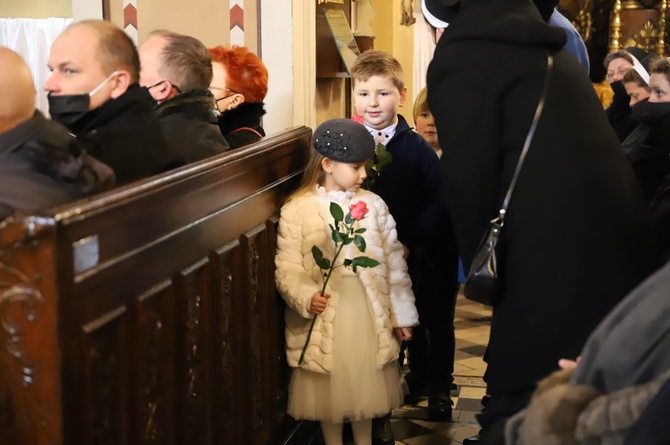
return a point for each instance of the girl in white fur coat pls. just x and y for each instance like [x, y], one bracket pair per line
[350, 370]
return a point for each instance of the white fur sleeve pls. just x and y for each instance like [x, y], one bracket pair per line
[294, 283]
[403, 309]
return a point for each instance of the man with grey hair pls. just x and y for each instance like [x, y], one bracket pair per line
[177, 71]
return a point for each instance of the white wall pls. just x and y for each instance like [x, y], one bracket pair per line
[277, 54]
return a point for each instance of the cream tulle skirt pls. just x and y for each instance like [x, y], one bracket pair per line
[357, 388]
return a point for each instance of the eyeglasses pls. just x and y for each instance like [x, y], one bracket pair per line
[163, 81]
[621, 71]
[232, 93]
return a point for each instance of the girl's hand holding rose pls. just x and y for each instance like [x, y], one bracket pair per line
[318, 303]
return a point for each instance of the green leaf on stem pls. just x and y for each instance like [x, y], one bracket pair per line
[360, 243]
[347, 240]
[322, 262]
[361, 230]
[348, 219]
[363, 261]
[337, 236]
[337, 212]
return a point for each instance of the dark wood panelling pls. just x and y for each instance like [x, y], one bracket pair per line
[173, 332]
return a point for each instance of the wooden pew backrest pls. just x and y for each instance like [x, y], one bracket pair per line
[149, 314]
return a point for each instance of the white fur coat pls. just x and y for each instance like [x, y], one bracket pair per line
[303, 224]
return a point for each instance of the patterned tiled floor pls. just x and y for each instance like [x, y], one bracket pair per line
[472, 335]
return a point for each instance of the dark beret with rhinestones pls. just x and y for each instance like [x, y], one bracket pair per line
[343, 140]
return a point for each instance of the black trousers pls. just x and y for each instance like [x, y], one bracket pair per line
[433, 344]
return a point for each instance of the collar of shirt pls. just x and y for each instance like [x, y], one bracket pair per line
[384, 135]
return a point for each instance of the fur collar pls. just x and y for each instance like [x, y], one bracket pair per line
[191, 105]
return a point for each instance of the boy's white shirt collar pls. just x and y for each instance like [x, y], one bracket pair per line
[384, 135]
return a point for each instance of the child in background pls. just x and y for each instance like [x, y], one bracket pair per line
[424, 121]
[350, 371]
[412, 187]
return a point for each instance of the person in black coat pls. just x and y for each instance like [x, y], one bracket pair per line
[239, 85]
[177, 71]
[93, 91]
[577, 236]
[40, 165]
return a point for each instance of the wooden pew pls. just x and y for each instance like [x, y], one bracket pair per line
[149, 315]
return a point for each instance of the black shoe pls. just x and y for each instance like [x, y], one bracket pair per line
[474, 440]
[439, 407]
[382, 434]
[485, 399]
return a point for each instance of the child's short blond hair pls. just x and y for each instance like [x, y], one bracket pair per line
[420, 104]
[374, 62]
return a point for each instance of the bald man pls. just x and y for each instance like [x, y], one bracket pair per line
[37, 154]
[177, 71]
[94, 91]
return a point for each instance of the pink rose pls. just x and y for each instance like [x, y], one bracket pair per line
[358, 210]
[357, 118]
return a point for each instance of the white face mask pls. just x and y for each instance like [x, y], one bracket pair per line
[102, 84]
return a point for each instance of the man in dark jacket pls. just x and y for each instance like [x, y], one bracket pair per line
[576, 238]
[177, 71]
[38, 166]
[93, 91]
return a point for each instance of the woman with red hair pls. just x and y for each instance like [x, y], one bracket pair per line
[239, 85]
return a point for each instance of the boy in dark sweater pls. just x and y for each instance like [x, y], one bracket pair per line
[411, 186]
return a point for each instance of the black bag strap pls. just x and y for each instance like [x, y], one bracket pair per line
[529, 139]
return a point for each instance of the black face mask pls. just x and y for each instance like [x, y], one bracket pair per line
[146, 97]
[652, 113]
[69, 109]
[621, 98]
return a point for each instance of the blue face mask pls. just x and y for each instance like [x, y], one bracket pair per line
[69, 109]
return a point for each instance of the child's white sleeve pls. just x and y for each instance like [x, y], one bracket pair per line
[294, 283]
[403, 309]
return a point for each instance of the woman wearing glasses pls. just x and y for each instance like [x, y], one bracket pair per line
[239, 86]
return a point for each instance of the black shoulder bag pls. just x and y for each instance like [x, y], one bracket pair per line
[481, 284]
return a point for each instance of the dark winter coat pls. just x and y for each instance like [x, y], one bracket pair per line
[577, 236]
[41, 167]
[189, 125]
[242, 124]
[124, 134]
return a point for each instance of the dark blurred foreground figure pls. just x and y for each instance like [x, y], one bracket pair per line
[616, 392]
[94, 91]
[239, 85]
[40, 166]
[577, 236]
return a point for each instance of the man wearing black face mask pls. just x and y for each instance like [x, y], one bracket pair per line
[177, 71]
[93, 91]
